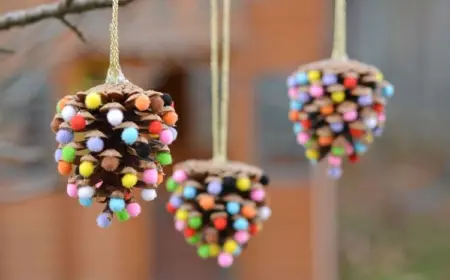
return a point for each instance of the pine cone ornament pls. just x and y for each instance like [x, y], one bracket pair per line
[113, 139]
[218, 206]
[337, 107]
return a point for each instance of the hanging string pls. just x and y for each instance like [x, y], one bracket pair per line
[115, 75]
[215, 78]
[225, 79]
[340, 30]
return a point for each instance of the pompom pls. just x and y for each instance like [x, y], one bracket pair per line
[243, 184]
[72, 190]
[174, 133]
[110, 163]
[58, 155]
[95, 144]
[155, 127]
[170, 118]
[257, 195]
[134, 209]
[166, 137]
[241, 224]
[104, 220]
[180, 225]
[164, 158]
[64, 136]
[233, 208]
[142, 102]
[189, 192]
[93, 101]
[130, 135]
[195, 222]
[181, 215]
[179, 176]
[116, 204]
[114, 117]
[203, 251]
[78, 123]
[225, 260]
[68, 112]
[171, 185]
[64, 168]
[68, 154]
[129, 180]
[148, 194]
[86, 168]
[85, 202]
[242, 237]
[150, 176]
[214, 187]
[123, 216]
[230, 246]
[86, 192]
[264, 213]
[175, 201]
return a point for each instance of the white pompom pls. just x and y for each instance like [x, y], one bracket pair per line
[86, 192]
[68, 112]
[264, 213]
[371, 122]
[148, 194]
[115, 117]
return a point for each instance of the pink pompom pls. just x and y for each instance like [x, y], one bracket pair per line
[335, 161]
[316, 91]
[134, 209]
[166, 137]
[349, 149]
[225, 260]
[72, 190]
[179, 176]
[257, 195]
[241, 237]
[150, 176]
[350, 116]
[381, 117]
[293, 93]
[180, 225]
[302, 138]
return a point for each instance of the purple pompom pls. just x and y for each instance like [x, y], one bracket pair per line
[174, 133]
[335, 172]
[95, 144]
[58, 155]
[64, 136]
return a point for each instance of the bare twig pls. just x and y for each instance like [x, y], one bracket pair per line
[6, 51]
[73, 28]
[56, 10]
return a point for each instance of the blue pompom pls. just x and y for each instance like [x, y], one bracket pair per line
[335, 172]
[189, 192]
[295, 105]
[388, 91]
[116, 204]
[85, 202]
[240, 224]
[297, 128]
[103, 220]
[360, 148]
[237, 252]
[64, 136]
[214, 187]
[175, 201]
[95, 144]
[291, 81]
[233, 207]
[301, 78]
[58, 154]
[130, 135]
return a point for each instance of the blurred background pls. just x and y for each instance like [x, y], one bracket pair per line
[387, 219]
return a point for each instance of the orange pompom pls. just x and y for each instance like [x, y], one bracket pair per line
[325, 140]
[64, 168]
[293, 115]
[142, 102]
[170, 118]
[327, 110]
[206, 202]
[248, 211]
[160, 178]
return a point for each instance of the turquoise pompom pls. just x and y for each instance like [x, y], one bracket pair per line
[85, 202]
[116, 204]
[130, 135]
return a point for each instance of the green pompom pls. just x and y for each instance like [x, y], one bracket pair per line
[123, 216]
[171, 185]
[203, 251]
[68, 154]
[164, 158]
[337, 151]
[194, 239]
[195, 222]
[58, 110]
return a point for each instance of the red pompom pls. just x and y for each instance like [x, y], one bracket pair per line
[170, 208]
[155, 127]
[220, 223]
[378, 107]
[306, 124]
[188, 232]
[78, 123]
[357, 133]
[350, 82]
[253, 229]
[353, 158]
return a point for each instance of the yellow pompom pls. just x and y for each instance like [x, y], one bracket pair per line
[369, 138]
[129, 180]
[93, 100]
[86, 168]
[313, 75]
[214, 250]
[312, 154]
[379, 76]
[181, 215]
[338, 96]
[230, 246]
[243, 184]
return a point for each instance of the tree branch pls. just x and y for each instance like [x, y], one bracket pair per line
[56, 10]
[73, 28]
